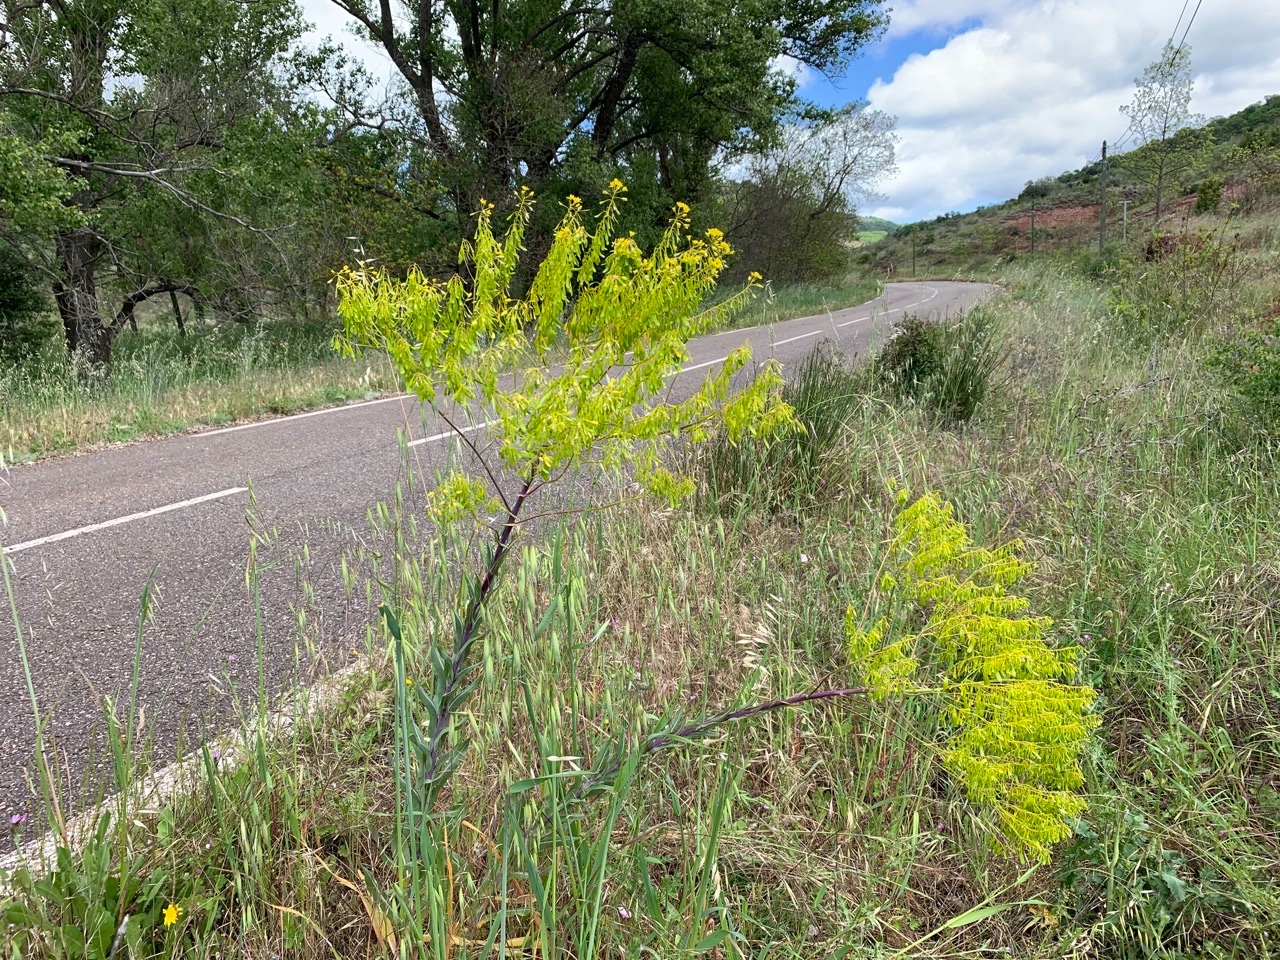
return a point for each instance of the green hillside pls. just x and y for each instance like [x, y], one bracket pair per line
[877, 223]
[1236, 157]
[874, 229]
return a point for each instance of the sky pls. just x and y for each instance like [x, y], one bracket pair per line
[989, 94]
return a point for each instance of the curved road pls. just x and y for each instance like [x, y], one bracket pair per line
[86, 532]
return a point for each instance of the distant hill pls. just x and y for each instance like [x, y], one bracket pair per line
[872, 229]
[876, 223]
[1063, 212]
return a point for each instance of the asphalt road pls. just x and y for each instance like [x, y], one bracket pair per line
[85, 533]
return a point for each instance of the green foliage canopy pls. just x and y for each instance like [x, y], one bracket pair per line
[543, 91]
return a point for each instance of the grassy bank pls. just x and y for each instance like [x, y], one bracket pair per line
[1147, 501]
[162, 383]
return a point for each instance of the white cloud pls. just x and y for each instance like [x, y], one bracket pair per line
[1028, 89]
[798, 70]
[329, 22]
[939, 16]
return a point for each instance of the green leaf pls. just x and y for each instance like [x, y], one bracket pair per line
[977, 915]
[711, 940]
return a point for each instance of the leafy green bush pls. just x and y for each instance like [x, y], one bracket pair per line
[1140, 899]
[1209, 195]
[1039, 189]
[1249, 364]
[88, 906]
[25, 325]
[912, 359]
[1181, 286]
[948, 367]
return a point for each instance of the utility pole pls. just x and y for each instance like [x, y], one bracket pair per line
[1125, 204]
[1102, 219]
[913, 254]
[1033, 226]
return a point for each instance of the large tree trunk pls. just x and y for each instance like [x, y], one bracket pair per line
[177, 313]
[77, 296]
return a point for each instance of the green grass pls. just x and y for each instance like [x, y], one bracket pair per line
[160, 383]
[871, 236]
[1152, 516]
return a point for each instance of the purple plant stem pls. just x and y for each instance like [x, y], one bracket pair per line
[470, 627]
[701, 727]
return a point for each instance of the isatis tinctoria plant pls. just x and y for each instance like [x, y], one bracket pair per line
[569, 373]
[945, 624]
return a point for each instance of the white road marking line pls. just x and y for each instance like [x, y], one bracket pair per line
[303, 416]
[894, 310]
[811, 333]
[93, 527]
[699, 366]
[450, 433]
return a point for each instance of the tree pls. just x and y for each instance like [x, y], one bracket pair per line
[1259, 155]
[32, 195]
[147, 109]
[1163, 126]
[542, 92]
[793, 216]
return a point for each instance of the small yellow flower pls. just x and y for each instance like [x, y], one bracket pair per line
[408, 681]
[754, 277]
[171, 914]
[715, 234]
[682, 208]
[574, 201]
[616, 184]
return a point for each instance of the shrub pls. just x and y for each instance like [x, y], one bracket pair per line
[1038, 189]
[912, 358]
[1209, 195]
[950, 368]
[1181, 286]
[25, 326]
[1249, 364]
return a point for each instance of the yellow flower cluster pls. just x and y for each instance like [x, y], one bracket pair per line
[1017, 722]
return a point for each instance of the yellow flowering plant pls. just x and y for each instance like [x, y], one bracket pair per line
[946, 624]
[575, 368]
[573, 373]
[570, 374]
